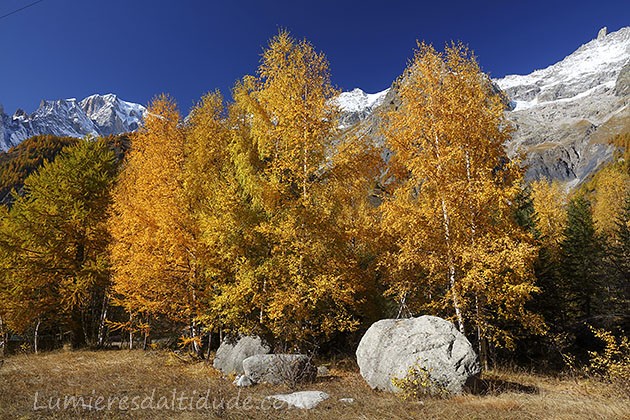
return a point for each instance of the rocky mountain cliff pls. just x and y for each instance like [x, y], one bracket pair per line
[563, 114]
[97, 115]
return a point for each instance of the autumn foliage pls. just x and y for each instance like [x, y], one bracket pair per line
[258, 214]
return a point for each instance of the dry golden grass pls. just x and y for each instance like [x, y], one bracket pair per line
[114, 375]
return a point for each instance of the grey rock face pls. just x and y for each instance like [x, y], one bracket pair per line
[279, 368]
[230, 355]
[391, 347]
[111, 115]
[622, 86]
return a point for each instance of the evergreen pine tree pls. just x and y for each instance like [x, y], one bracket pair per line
[619, 256]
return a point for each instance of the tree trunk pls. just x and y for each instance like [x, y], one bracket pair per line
[196, 348]
[209, 345]
[87, 333]
[146, 340]
[451, 260]
[483, 357]
[130, 332]
[103, 321]
[262, 306]
[78, 332]
[481, 340]
[3, 340]
[403, 309]
[36, 338]
[451, 269]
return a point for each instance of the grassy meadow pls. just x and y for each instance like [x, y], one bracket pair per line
[167, 385]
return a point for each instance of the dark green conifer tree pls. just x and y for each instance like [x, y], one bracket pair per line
[581, 264]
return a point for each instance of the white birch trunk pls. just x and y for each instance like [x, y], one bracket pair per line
[473, 235]
[209, 344]
[451, 269]
[451, 260]
[36, 338]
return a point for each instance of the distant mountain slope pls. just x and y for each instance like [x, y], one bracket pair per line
[565, 113]
[98, 115]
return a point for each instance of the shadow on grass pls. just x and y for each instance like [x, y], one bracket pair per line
[494, 386]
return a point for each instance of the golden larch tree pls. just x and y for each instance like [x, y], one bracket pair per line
[549, 200]
[611, 186]
[301, 274]
[154, 251]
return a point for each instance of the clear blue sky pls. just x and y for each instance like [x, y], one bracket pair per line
[139, 48]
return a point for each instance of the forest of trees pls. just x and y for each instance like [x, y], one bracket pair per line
[258, 215]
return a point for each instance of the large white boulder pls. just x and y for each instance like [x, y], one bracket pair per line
[391, 347]
[230, 354]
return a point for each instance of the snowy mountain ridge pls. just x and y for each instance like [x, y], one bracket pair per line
[563, 114]
[356, 105]
[357, 100]
[595, 65]
[97, 115]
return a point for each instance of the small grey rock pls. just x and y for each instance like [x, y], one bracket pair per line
[243, 381]
[323, 371]
[279, 368]
[303, 399]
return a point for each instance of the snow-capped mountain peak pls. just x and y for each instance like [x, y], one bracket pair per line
[356, 105]
[111, 114]
[357, 100]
